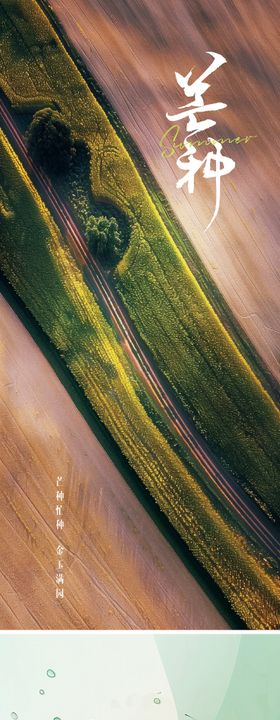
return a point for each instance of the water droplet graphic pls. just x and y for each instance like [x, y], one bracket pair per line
[14, 716]
[157, 701]
[42, 692]
[50, 673]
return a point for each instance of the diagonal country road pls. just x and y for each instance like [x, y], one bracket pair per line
[223, 485]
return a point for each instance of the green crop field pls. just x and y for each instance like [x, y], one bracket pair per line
[217, 387]
[38, 264]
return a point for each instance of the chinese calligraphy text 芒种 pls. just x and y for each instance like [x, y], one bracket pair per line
[215, 164]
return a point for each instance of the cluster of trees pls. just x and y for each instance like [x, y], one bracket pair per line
[104, 239]
[50, 142]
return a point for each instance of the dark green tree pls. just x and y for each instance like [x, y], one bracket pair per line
[49, 141]
[104, 239]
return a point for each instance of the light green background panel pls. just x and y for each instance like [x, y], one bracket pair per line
[97, 677]
[254, 689]
[224, 677]
[199, 668]
[121, 676]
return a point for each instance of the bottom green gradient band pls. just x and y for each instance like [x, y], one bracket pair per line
[146, 676]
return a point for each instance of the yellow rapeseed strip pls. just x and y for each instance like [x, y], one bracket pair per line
[61, 302]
